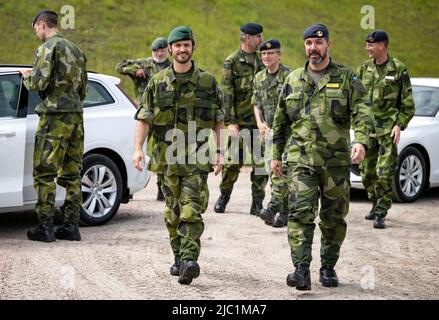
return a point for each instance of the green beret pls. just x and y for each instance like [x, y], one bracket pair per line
[159, 43]
[180, 33]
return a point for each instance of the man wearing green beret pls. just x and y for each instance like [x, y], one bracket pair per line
[141, 71]
[237, 87]
[180, 108]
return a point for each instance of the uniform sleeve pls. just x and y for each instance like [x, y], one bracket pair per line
[128, 67]
[255, 100]
[146, 109]
[42, 70]
[361, 111]
[84, 81]
[228, 92]
[220, 113]
[280, 123]
[407, 106]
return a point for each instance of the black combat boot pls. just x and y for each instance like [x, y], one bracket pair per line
[175, 269]
[256, 207]
[220, 205]
[379, 223]
[188, 270]
[68, 231]
[267, 215]
[160, 196]
[371, 214]
[328, 277]
[43, 233]
[281, 220]
[301, 278]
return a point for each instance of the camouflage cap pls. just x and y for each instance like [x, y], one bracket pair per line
[317, 30]
[377, 36]
[252, 28]
[180, 33]
[42, 12]
[159, 43]
[270, 44]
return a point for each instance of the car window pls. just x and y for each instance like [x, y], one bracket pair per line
[426, 101]
[9, 94]
[97, 95]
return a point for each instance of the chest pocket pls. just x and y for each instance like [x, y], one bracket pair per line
[391, 88]
[164, 108]
[294, 105]
[205, 108]
[243, 80]
[336, 101]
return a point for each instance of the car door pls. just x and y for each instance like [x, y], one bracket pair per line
[12, 140]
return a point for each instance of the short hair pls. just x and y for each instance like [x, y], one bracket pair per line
[386, 43]
[49, 19]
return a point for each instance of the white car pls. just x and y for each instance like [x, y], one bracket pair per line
[108, 178]
[418, 148]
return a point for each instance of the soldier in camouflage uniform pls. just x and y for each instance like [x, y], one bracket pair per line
[388, 84]
[181, 106]
[318, 103]
[267, 87]
[141, 71]
[59, 74]
[237, 88]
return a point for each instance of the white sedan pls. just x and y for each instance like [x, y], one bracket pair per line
[419, 146]
[108, 176]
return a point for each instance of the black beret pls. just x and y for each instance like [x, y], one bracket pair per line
[377, 36]
[252, 28]
[40, 13]
[317, 30]
[270, 44]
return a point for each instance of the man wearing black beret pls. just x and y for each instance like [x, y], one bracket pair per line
[236, 84]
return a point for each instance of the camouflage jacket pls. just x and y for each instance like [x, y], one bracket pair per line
[194, 110]
[266, 94]
[237, 87]
[59, 74]
[320, 117]
[129, 68]
[390, 94]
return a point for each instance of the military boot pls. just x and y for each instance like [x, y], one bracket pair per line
[160, 196]
[301, 278]
[328, 277]
[379, 223]
[43, 233]
[281, 220]
[68, 232]
[220, 204]
[371, 214]
[256, 207]
[267, 215]
[188, 270]
[175, 269]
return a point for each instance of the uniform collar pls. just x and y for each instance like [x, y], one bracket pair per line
[193, 79]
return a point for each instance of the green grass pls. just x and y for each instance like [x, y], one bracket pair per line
[111, 30]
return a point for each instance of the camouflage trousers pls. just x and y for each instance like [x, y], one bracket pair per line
[58, 152]
[308, 185]
[160, 178]
[377, 172]
[237, 157]
[186, 199]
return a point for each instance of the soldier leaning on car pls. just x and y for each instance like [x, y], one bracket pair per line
[59, 74]
[176, 100]
[388, 84]
[141, 71]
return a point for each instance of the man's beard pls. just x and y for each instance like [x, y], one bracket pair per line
[157, 60]
[320, 60]
[182, 60]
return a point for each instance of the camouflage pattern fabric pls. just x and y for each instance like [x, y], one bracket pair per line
[237, 87]
[306, 182]
[392, 103]
[186, 199]
[59, 74]
[130, 66]
[59, 148]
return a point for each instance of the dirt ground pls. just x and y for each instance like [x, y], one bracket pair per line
[241, 257]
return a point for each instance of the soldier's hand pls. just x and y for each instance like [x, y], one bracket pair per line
[233, 130]
[263, 129]
[25, 73]
[396, 134]
[357, 153]
[138, 160]
[276, 167]
[140, 73]
[219, 164]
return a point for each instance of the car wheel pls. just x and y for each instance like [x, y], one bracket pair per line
[411, 176]
[101, 185]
